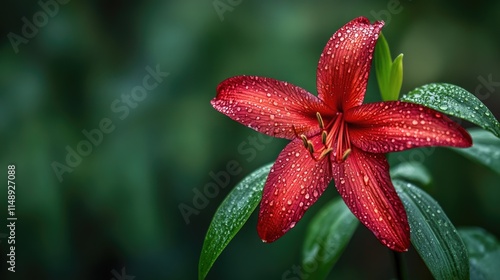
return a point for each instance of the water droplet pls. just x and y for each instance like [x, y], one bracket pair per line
[366, 179]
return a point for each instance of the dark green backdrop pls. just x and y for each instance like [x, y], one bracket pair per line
[109, 207]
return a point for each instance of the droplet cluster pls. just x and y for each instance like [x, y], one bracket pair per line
[364, 184]
[269, 106]
[294, 183]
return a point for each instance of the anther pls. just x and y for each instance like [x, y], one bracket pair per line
[304, 140]
[320, 120]
[346, 154]
[310, 147]
[323, 137]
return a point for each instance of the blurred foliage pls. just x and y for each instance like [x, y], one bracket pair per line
[119, 207]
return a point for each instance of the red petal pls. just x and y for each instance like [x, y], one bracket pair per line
[345, 63]
[363, 182]
[269, 106]
[395, 126]
[295, 183]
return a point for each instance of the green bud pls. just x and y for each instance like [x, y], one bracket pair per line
[389, 73]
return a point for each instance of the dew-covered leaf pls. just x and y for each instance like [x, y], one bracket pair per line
[484, 253]
[411, 171]
[432, 234]
[231, 215]
[454, 101]
[327, 236]
[485, 149]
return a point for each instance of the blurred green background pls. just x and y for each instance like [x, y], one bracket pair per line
[116, 211]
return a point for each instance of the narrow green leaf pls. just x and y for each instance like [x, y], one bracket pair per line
[433, 235]
[231, 216]
[455, 101]
[383, 64]
[396, 78]
[326, 238]
[412, 171]
[484, 253]
[485, 149]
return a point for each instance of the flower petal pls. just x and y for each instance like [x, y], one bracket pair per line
[363, 182]
[395, 126]
[344, 65]
[295, 183]
[269, 106]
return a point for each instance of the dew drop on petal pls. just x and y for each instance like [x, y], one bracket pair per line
[366, 179]
[315, 193]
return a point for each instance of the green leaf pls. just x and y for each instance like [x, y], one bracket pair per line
[433, 235]
[455, 101]
[412, 171]
[485, 149]
[396, 78]
[327, 236]
[231, 216]
[383, 64]
[484, 253]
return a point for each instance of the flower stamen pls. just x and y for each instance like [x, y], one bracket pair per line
[304, 140]
[310, 147]
[346, 154]
[325, 152]
[320, 120]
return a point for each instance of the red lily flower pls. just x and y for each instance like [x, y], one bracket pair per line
[335, 137]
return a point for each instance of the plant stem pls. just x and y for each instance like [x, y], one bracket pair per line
[398, 263]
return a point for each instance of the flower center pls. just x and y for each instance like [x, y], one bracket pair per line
[337, 137]
[334, 138]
